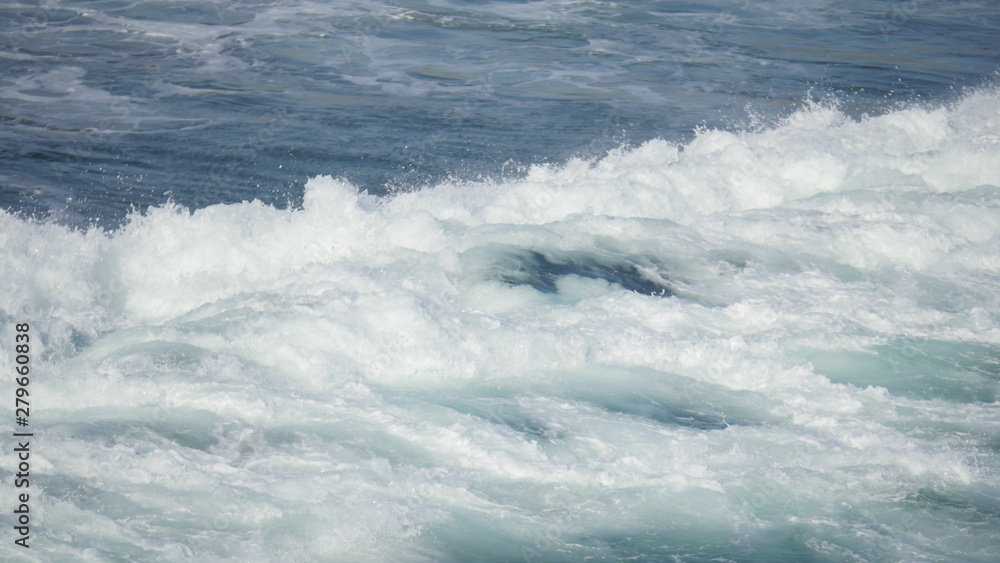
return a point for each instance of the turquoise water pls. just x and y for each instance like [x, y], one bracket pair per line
[511, 281]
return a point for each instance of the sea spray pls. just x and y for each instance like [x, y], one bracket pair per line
[778, 344]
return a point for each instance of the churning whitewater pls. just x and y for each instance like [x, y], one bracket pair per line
[773, 344]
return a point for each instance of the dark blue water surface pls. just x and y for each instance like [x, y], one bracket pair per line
[110, 105]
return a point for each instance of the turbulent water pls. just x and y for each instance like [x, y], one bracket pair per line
[518, 281]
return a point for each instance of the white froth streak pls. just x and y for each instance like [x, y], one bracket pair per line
[171, 260]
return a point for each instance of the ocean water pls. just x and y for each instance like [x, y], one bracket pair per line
[502, 281]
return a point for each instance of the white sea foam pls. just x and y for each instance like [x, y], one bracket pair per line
[781, 342]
